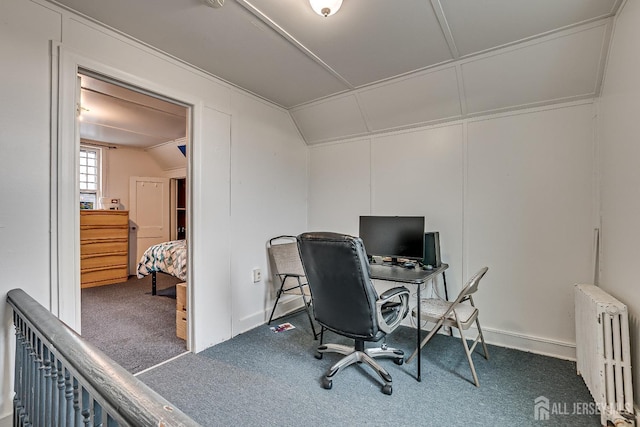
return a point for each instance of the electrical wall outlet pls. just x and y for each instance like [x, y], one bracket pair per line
[257, 275]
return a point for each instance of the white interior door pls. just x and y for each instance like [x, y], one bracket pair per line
[148, 214]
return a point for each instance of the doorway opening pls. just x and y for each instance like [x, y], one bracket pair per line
[141, 173]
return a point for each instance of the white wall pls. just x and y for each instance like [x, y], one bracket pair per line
[24, 163]
[513, 192]
[119, 165]
[619, 127]
[229, 127]
[122, 163]
[529, 217]
[269, 188]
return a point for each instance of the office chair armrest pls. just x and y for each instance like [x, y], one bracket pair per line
[400, 292]
[390, 293]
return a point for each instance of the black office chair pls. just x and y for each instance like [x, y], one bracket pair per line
[346, 302]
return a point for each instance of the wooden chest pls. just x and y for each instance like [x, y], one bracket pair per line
[104, 247]
[181, 310]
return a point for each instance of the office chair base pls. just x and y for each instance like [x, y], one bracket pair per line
[360, 356]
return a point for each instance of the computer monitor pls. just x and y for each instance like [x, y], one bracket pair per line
[393, 236]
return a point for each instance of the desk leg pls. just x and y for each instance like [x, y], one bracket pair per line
[446, 297]
[444, 281]
[418, 333]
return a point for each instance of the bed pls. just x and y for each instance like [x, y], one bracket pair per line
[167, 257]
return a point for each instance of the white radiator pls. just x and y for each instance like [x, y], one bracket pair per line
[602, 353]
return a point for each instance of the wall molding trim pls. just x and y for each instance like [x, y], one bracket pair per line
[532, 344]
[6, 420]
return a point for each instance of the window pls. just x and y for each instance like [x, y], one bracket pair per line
[90, 182]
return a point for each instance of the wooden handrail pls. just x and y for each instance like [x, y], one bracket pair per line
[80, 381]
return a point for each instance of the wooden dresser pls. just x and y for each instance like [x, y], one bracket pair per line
[104, 247]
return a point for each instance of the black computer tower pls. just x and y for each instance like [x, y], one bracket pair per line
[432, 249]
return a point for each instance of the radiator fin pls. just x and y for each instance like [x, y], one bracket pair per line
[603, 357]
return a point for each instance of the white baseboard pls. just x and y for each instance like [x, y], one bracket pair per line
[6, 420]
[516, 341]
[543, 346]
[287, 304]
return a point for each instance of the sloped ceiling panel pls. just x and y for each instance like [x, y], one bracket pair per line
[508, 51]
[560, 68]
[367, 41]
[116, 136]
[473, 23]
[230, 40]
[422, 98]
[168, 155]
[288, 80]
[113, 114]
[138, 124]
[338, 117]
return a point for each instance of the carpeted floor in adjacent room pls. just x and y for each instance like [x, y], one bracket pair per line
[132, 327]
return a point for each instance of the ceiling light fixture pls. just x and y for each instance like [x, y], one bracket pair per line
[214, 3]
[325, 7]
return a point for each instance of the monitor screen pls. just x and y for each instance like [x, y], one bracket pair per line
[393, 236]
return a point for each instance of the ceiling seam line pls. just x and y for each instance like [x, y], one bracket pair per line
[292, 40]
[139, 104]
[124, 130]
[362, 111]
[446, 30]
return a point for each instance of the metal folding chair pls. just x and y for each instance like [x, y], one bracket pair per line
[456, 315]
[289, 274]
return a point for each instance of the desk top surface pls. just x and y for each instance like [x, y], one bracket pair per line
[397, 273]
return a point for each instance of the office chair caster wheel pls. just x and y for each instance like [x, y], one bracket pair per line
[327, 384]
[318, 355]
[399, 361]
[387, 389]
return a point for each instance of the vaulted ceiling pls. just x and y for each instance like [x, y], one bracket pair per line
[380, 65]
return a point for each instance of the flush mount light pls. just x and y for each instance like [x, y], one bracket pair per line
[325, 7]
[214, 3]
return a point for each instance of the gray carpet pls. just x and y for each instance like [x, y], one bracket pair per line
[264, 378]
[134, 328]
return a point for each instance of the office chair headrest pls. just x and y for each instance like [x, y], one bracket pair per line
[326, 235]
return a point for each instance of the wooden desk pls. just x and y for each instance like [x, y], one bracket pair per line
[416, 276]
